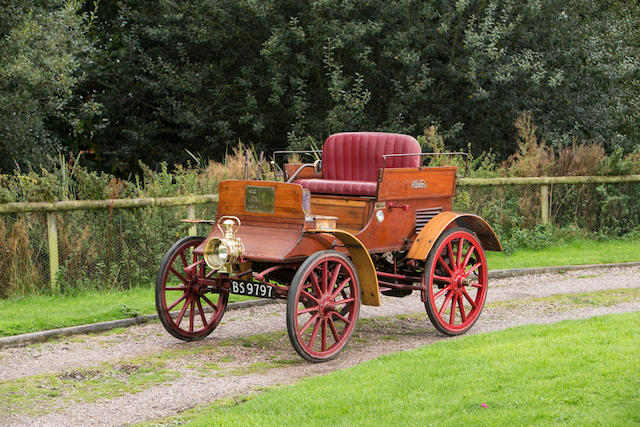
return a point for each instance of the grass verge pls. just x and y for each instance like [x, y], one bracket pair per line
[575, 252]
[569, 373]
[36, 313]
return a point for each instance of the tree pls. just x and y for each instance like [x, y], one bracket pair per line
[42, 46]
[195, 76]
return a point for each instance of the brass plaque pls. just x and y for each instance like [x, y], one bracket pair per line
[259, 199]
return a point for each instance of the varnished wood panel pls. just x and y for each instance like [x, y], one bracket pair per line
[264, 240]
[288, 199]
[312, 243]
[397, 230]
[352, 213]
[391, 233]
[410, 183]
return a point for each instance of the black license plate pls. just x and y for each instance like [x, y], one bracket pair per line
[252, 289]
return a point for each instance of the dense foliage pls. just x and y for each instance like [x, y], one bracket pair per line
[43, 51]
[140, 80]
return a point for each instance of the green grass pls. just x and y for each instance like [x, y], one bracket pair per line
[37, 313]
[576, 252]
[571, 373]
[28, 314]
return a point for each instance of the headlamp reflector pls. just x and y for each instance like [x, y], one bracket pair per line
[216, 253]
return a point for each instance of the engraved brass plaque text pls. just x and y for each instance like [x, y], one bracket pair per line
[259, 199]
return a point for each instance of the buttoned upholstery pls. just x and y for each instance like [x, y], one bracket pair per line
[350, 161]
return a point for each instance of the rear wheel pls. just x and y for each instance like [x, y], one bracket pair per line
[456, 278]
[188, 310]
[323, 306]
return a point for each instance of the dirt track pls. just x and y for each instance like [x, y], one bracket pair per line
[250, 349]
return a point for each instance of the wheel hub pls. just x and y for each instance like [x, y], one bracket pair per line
[458, 282]
[326, 306]
[195, 288]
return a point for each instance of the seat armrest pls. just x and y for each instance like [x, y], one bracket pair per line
[293, 171]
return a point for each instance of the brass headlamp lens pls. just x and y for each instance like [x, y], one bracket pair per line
[216, 253]
[222, 253]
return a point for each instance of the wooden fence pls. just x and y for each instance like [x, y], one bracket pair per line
[50, 208]
[191, 201]
[545, 182]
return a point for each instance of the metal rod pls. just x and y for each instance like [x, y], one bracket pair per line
[246, 164]
[259, 173]
[297, 172]
[260, 276]
[294, 152]
[453, 153]
[399, 286]
[398, 276]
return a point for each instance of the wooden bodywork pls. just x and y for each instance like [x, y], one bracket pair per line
[412, 207]
[286, 228]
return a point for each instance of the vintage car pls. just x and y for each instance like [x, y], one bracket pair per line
[367, 219]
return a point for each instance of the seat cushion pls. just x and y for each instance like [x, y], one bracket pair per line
[331, 186]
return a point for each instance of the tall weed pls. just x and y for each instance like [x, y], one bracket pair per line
[19, 272]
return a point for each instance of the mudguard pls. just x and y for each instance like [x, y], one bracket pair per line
[364, 265]
[432, 230]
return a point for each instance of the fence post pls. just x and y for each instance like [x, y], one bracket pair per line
[544, 203]
[52, 237]
[191, 214]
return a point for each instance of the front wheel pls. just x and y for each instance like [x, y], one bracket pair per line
[323, 306]
[188, 310]
[456, 279]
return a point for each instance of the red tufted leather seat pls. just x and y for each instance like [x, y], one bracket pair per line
[351, 160]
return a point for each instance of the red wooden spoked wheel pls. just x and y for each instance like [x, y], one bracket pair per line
[187, 309]
[456, 278]
[323, 305]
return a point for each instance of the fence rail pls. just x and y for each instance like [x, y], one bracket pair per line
[71, 205]
[545, 182]
[85, 205]
[52, 209]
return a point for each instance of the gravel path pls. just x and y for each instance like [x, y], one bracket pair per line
[227, 347]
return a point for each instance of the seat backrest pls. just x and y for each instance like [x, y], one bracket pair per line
[357, 156]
